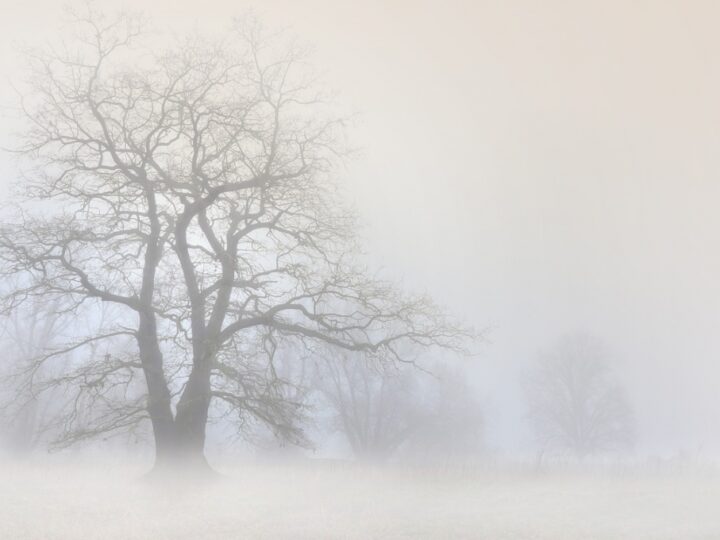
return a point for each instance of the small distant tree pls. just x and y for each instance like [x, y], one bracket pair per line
[452, 427]
[385, 410]
[85, 386]
[374, 404]
[575, 405]
[28, 333]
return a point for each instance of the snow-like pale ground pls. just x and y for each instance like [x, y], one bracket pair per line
[335, 500]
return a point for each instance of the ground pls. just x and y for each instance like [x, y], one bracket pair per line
[318, 500]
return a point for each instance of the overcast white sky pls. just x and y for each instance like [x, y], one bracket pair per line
[539, 167]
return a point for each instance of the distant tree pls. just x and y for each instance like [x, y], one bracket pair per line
[374, 405]
[192, 187]
[575, 405]
[387, 410]
[452, 426]
[40, 397]
[28, 333]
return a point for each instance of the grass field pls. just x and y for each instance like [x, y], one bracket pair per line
[327, 500]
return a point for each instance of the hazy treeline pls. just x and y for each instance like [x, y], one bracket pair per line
[343, 404]
[179, 258]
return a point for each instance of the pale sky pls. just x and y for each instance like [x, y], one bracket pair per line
[538, 167]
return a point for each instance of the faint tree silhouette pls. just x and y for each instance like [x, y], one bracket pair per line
[375, 405]
[574, 404]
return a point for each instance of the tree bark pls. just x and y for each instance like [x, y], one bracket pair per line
[159, 401]
[192, 414]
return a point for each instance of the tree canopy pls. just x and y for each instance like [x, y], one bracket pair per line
[193, 187]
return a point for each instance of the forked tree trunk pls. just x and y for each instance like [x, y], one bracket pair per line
[191, 418]
[182, 454]
[159, 401]
[180, 438]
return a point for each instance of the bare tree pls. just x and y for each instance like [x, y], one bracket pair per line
[68, 391]
[574, 403]
[375, 405]
[28, 333]
[192, 188]
[452, 425]
[389, 410]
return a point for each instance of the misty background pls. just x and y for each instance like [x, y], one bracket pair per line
[539, 169]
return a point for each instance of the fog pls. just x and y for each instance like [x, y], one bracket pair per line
[544, 172]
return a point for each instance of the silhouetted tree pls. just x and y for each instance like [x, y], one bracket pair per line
[452, 426]
[375, 405]
[28, 333]
[385, 410]
[574, 403]
[192, 187]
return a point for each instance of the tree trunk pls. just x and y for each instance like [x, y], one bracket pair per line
[192, 415]
[159, 402]
[179, 438]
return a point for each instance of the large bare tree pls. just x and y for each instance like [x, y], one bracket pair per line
[192, 186]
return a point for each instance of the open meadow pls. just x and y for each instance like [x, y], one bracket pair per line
[337, 500]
